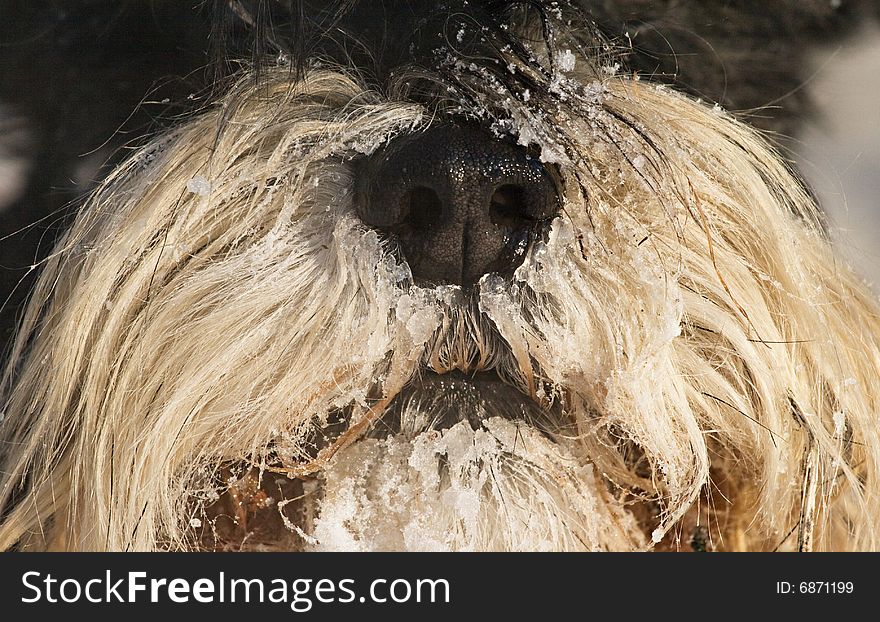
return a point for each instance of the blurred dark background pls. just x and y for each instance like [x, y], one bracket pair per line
[79, 81]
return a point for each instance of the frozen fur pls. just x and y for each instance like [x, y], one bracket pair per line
[217, 304]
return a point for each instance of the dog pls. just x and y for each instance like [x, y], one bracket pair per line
[485, 290]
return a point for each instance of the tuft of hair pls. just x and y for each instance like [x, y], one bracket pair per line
[217, 305]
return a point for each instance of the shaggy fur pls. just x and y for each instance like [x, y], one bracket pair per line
[89, 78]
[218, 340]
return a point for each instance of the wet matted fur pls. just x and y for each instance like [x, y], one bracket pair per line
[220, 354]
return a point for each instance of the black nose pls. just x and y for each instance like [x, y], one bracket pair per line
[459, 203]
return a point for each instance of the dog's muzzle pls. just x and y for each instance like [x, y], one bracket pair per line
[458, 202]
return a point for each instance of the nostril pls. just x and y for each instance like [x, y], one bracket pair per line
[508, 209]
[421, 208]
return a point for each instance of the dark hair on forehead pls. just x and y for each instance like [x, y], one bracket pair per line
[450, 48]
[745, 55]
[374, 36]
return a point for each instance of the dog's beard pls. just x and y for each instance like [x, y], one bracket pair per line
[465, 463]
[479, 449]
[471, 454]
[501, 487]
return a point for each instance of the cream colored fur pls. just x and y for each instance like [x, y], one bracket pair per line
[218, 299]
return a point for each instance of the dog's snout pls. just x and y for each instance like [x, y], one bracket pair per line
[459, 203]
